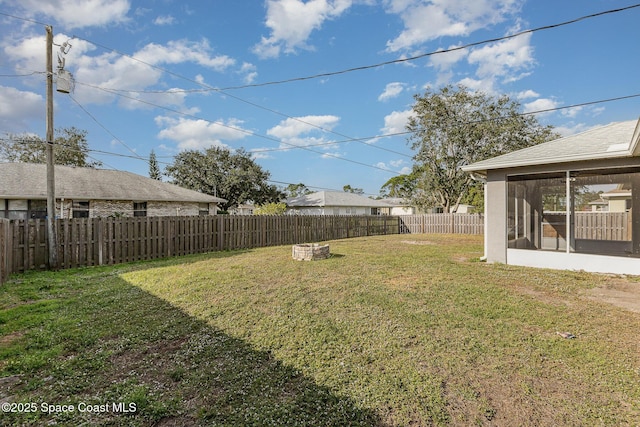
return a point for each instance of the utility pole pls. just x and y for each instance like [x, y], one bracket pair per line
[51, 191]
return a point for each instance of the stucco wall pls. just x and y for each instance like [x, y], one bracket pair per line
[496, 217]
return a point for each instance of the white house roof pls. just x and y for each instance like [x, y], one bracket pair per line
[396, 201]
[29, 181]
[613, 140]
[334, 198]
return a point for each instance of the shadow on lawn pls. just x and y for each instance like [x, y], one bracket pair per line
[122, 344]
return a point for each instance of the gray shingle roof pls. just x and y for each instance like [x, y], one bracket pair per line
[614, 140]
[334, 198]
[29, 181]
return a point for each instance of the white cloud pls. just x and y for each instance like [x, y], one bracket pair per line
[482, 85]
[292, 21]
[540, 104]
[79, 13]
[572, 128]
[260, 153]
[393, 165]
[180, 51]
[427, 20]
[16, 107]
[293, 127]
[192, 134]
[391, 91]
[572, 112]
[301, 131]
[117, 72]
[526, 94]
[164, 20]
[444, 61]
[503, 58]
[250, 72]
[396, 122]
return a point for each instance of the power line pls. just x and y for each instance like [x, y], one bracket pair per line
[106, 130]
[33, 21]
[547, 110]
[413, 58]
[252, 133]
[380, 64]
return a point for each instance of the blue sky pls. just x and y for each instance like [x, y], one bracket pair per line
[174, 75]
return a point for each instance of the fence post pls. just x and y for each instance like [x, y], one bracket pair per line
[4, 250]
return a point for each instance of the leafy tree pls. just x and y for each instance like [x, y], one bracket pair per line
[154, 169]
[70, 148]
[349, 189]
[296, 190]
[401, 186]
[271, 209]
[455, 127]
[221, 173]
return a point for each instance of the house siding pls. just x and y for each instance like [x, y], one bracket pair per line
[330, 210]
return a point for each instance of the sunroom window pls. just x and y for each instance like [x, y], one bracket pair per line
[580, 211]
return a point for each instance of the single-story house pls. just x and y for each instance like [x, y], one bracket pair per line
[399, 206]
[88, 193]
[335, 203]
[537, 212]
[243, 209]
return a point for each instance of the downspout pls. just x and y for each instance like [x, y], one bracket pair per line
[483, 179]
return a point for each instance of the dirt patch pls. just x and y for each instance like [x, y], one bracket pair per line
[11, 337]
[417, 242]
[619, 292]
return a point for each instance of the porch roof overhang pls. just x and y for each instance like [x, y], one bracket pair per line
[616, 140]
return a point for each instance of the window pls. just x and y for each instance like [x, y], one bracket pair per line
[139, 208]
[581, 212]
[80, 209]
[203, 209]
[37, 209]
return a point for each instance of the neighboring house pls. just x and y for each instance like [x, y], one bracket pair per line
[335, 203]
[243, 209]
[465, 209]
[534, 213]
[88, 193]
[399, 206]
[618, 199]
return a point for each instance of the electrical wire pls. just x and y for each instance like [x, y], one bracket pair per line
[376, 65]
[105, 129]
[33, 21]
[224, 90]
[359, 140]
[256, 134]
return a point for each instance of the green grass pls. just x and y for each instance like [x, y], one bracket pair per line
[394, 330]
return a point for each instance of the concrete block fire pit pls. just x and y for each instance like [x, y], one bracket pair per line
[310, 252]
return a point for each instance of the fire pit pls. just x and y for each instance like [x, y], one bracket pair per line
[310, 252]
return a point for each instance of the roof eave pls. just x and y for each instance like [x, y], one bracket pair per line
[480, 168]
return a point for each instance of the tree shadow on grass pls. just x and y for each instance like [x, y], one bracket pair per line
[112, 343]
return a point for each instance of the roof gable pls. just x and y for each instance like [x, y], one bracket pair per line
[28, 181]
[613, 140]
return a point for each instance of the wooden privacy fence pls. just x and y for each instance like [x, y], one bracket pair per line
[105, 241]
[603, 225]
[442, 223]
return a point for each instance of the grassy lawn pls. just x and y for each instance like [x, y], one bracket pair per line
[390, 331]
